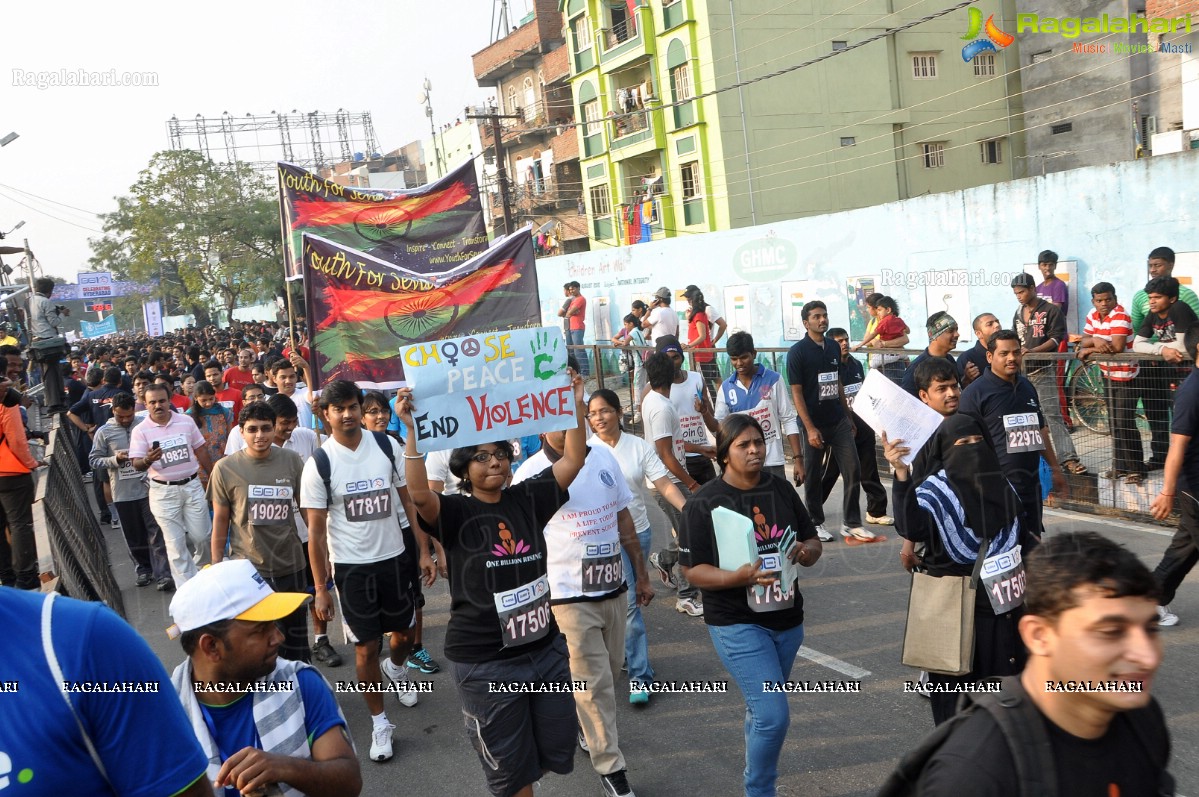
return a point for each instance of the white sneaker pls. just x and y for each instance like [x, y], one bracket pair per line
[823, 534]
[1165, 617]
[406, 693]
[880, 520]
[859, 532]
[381, 742]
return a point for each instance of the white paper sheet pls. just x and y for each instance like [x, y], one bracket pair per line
[887, 407]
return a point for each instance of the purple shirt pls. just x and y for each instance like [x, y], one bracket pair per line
[1056, 292]
[179, 438]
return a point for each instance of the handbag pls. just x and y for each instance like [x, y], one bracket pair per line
[939, 634]
[46, 346]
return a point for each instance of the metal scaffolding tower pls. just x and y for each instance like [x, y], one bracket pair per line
[261, 140]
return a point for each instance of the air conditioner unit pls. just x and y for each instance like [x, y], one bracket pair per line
[1150, 127]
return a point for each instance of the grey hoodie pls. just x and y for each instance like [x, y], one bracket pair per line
[127, 484]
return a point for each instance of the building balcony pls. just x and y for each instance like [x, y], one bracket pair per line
[628, 41]
[635, 134]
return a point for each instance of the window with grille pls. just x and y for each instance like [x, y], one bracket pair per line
[691, 184]
[984, 65]
[991, 151]
[601, 205]
[680, 82]
[1068, 127]
[933, 154]
[924, 66]
[582, 33]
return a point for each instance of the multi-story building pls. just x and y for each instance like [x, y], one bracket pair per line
[529, 69]
[685, 127]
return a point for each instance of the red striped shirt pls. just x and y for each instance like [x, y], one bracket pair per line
[1116, 323]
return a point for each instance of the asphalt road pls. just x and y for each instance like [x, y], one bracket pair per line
[692, 744]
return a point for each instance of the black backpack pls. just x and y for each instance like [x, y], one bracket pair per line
[325, 468]
[1020, 722]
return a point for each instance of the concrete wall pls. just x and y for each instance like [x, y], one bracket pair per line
[1106, 218]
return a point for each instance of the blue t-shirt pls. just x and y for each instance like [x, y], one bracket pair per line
[395, 425]
[143, 738]
[234, 724]
[1186, 421]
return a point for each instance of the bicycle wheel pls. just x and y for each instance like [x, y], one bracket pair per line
[1088, 398]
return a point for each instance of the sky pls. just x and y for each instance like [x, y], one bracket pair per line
[83, 146]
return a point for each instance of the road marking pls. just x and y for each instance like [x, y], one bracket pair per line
[825, 660]
[1127, 525]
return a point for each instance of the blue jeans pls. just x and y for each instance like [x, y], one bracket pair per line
[576, 339]
[636, 643]
[754, 655]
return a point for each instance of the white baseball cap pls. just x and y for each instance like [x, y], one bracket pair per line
[229, 590]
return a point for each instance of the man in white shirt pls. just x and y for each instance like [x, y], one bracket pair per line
[169, 445]
[661, 319]
[353, 528]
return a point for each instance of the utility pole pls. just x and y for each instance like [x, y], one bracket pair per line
[29, 265]
[501, 171]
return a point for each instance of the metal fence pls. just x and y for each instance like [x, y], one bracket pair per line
[71, 545]
[1117, 427]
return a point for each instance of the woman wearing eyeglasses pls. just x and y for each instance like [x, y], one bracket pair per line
[501, 628]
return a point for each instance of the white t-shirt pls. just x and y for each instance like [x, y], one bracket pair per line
[362, 526]
[683, 395]
[638, 462]
[581, 539]
[663, 321]
[437, 466]
[662, 420]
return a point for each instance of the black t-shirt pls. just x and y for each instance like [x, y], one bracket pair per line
[1045, 321]
[976, 354]
[852, 376]
[94, 407]
[818, 370]
[496, 550]
[989, 399]
[1178, 320]
[773, 506]
[976, 760]
[908, 382]
[1186, 421]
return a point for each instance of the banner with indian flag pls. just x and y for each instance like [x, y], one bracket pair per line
[363, 309]
[426, 230]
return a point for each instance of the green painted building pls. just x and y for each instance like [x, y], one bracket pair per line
[895, 118]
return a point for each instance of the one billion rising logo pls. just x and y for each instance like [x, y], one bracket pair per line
[980, 45]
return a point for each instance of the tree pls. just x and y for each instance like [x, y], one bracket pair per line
[203, 230]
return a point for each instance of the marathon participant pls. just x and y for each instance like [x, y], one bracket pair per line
[376, 417]
[253, 495]
[140, 380]
[89, 743]
[958, 505]
[639, 463]
[1181, 461]
[263, 722]
[213, 420]
[699, 336]
[814, 373]
[352, 529]
[1089, 617]
[852, 377]
[972, 363]
[283, 373]
[663, 432]
[227, 397]
[694, 408]
[942, 331]
[518, 736]
[171, 448]
[1041, 327]
[132, 366]
[756, 622]
[249, 394]
[587, 541]
[1006, 403]
[662, 319]
[1108, 330]
[633, 335]
[714, 315]
[182, 400]
[91, 412]
[74, 387]
[130, 494]
[756, 390]
[242, 374]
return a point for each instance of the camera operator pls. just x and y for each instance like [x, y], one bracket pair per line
[48, 345]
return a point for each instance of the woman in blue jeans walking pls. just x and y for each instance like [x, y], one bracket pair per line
[638, 461]
[756, 622]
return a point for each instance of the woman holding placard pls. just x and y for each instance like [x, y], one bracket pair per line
[742, 536]
[501, 629]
